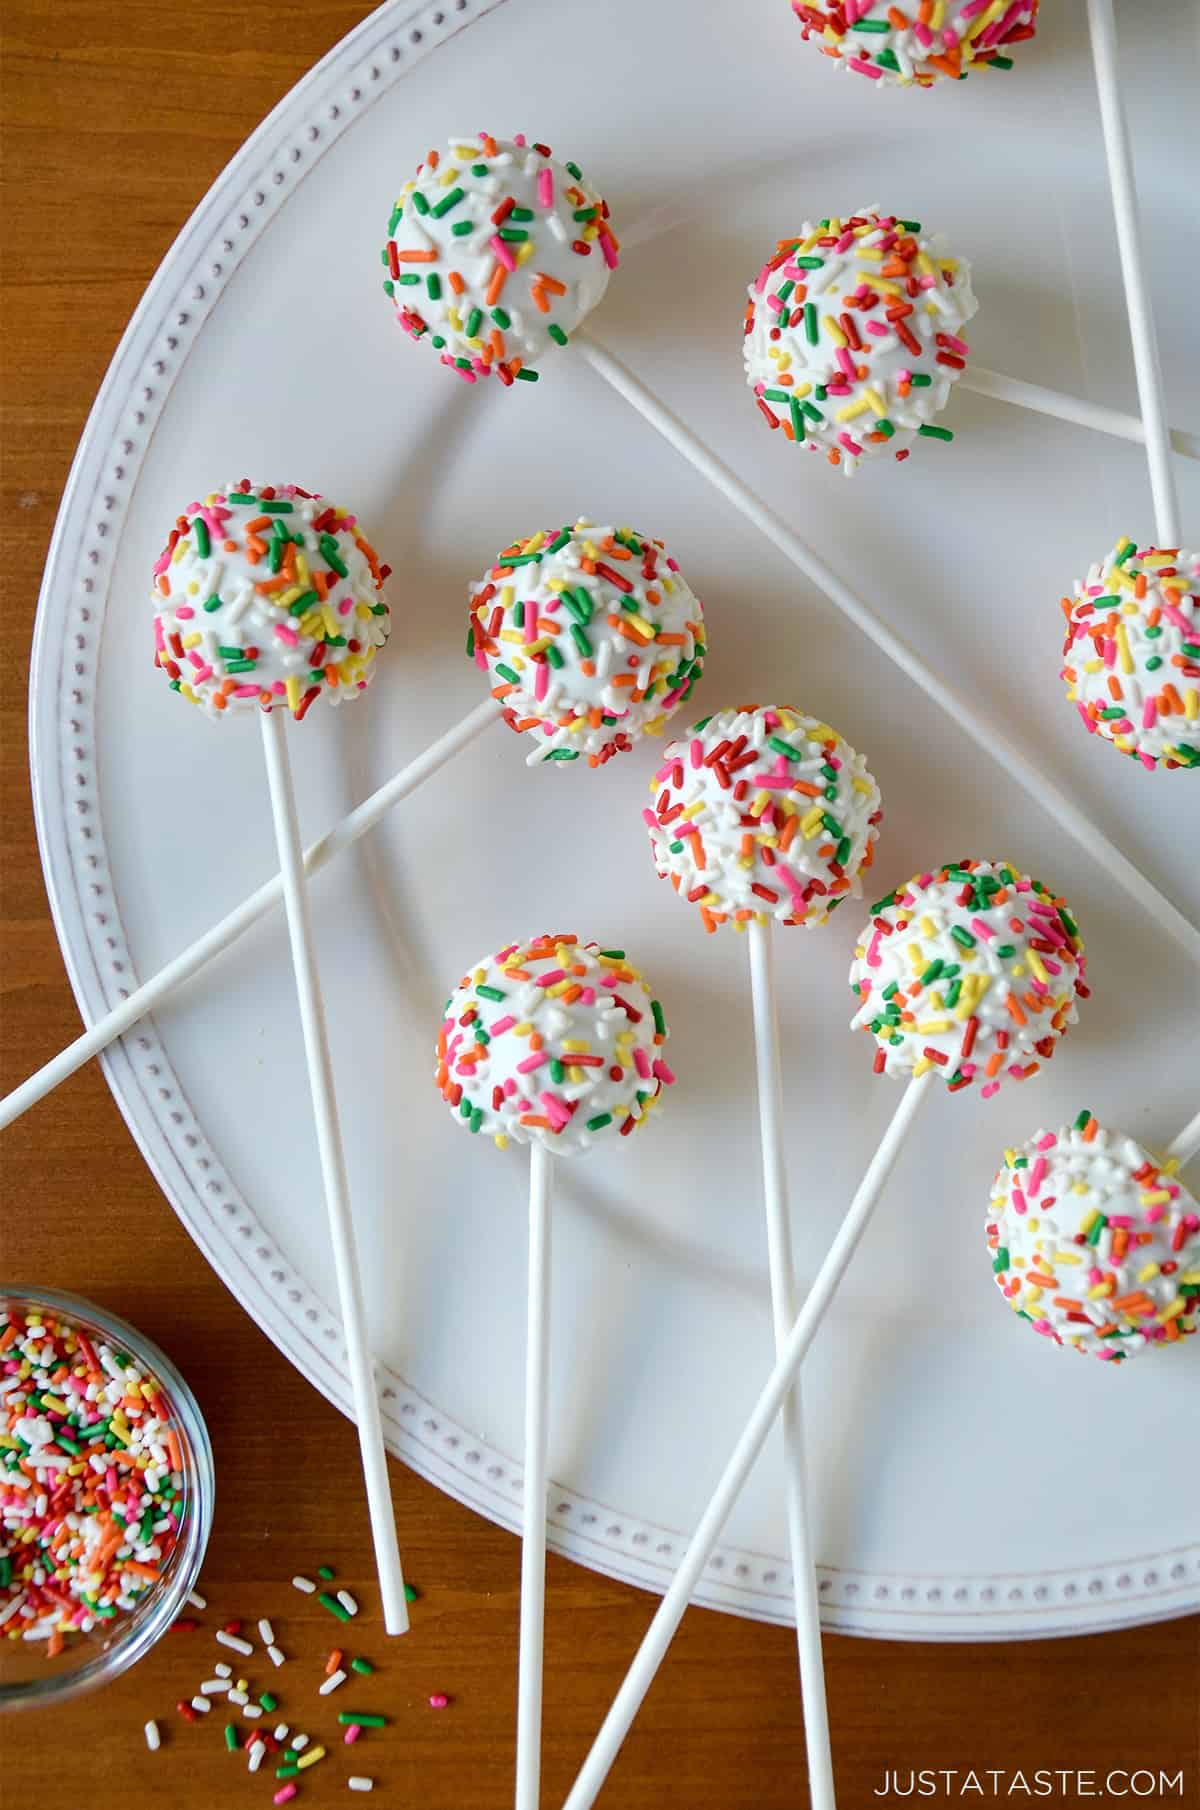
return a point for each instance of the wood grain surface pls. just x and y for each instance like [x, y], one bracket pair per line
[116, 118]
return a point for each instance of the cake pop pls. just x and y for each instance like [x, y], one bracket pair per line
[1095, 1242]
[1131, 656]
[267, 595]
[763, 811]
[920, 43]
[554, 1041]
[591, 636]
[853, 336]
[496, 252]
[972, 970]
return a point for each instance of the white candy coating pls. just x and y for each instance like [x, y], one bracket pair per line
[974, 973]
[853, 335]
[534, 263]
[763, 813]
[966, 33]
[591, 637]
[1132, 663]
[250, 616]
[1096, 1242]
[555, 1040]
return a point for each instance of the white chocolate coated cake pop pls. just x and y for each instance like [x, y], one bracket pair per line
[590, 636]
[496, 251]
[554, 1040]
[853, 336]
[972, 970]
[1131, 655]
[1095, 1242]
[920, 42]
[267, 596]
[763, 812]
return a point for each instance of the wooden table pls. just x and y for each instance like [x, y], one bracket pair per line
[116, 120]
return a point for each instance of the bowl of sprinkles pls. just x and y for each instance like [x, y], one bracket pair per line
[106, 1495]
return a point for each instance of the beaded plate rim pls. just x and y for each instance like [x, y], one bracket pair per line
[189, 281]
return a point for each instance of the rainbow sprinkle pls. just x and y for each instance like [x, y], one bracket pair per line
[495, 254]
[1095, 1243]
[92, 1480]
[853, 336]
[1131, 656]
[591, 637]
[920, 43]
[556, 1040]
[973, 970]
[763, 812]
[267, 595]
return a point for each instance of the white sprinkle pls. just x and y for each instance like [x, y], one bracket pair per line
[275, 1656]
[252, 1711]
[266, 1633]
[304, 1583]
[331, 1683]
[197, 1601]
[281, 1733]
[256, 1751]
[238, 1697]
[232, 1641]
[153, 1738]
[358, 1783]
[299, 1742]
[214, 1687]
[222, 1670]
[202, 1704]
[347, 1601]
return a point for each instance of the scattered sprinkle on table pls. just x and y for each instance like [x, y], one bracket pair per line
[153, 1738]
[439, 1700]
[234, 1643]
[304, 1584]
[332, 1682]
[358, 1783]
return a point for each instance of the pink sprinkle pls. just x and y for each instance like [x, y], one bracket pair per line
[439, 1700]
[184, 611]
[649, 819]
[852, 446]
[985, 1093]
[865, 68]
[287, 634]
[1047, 1141]
[1020, 1204]
[545, 187]
[283, 1797]
[537, 1060]
[352, 1733]
[501, 1025]
[608, 246]
[245, 691]
[503, 252]
[1037, 1175]
[642, 1063]
[981, 929]
[541, 679]
[847, 363]
[1149, 714]
[663, 1073]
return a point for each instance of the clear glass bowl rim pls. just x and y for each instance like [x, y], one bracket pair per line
[144, 1628]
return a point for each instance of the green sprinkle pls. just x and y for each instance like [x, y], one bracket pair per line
[479, 169]
[303, 604]
[600, 1121]
[1004, 950]
[331, 1602]
[876, 25]
[474, 322]
[1097, 1231]
[785, 748]
[200, 530]
[1084, 1120]
[461, 228]
[563, 754]
[433, 286]
[348, 1717]
[935, 433]
[812, 331]
[491, 992]
[231, 1737]
[556, 333]
[420, 205]
[558, 1073]
[240, 497]
[410, 1593]
[212, 603]
[396, 216]
[579, 637]
[269, 1700]
[810, 263]
[331, 555]
[287, 1772]
[409, 279]
[999, 62]
[932, 973]
[277, 506]
[502, 317]
[920, 381]
[575, 171]
[513, 235]
[554, 658]
[507, 674]
[446, 203]
[887, 59]
[883, 426]
[656, 1012]
[361, 1665]
[1153, 663]
[241, 665]
[579, 604]
[963, 937]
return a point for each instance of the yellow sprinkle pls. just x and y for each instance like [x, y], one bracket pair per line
[1148, 1272]
[293, 691]
[192, 640]
[1157, 1198]
[1178, 1306]
[834, 331]
[310, 1758]
[853, 409]
[1191, 704]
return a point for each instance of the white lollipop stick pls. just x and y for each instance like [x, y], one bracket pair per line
[1186, 1147]
[1102, 27]
[783, 1308]
[333, 1172]
[533, 1518]
[160, 986]
[962, 710]
[1041, 401]
[670, 1611]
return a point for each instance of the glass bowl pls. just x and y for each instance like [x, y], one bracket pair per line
[29, 1675]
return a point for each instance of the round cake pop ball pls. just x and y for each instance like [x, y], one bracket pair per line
[854, 336]
[590, 636]
[973, 970]
[266, 595]
[495, 253]
[1095, 1243]
[1131, 657]
[921, 42]
[556, 1040]
[763, 813]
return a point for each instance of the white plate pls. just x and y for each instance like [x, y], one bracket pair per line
[969, 1481]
